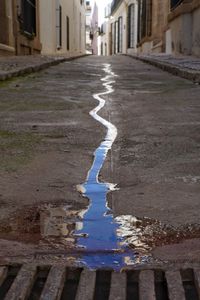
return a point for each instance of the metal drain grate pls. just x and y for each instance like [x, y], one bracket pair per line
[60, 282]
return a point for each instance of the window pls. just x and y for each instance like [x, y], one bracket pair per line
[144, 19]
[28, 20]
[131, 26]
[67, 32]
[59, 26]
[116, 37]
[112, 38]
[120, 34]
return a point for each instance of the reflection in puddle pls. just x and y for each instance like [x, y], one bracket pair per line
[101, 235]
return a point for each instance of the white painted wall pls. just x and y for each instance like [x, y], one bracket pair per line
[48, 33]
[48, 26]
[122, 11]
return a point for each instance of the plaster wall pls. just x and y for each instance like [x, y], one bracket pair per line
[48, 26]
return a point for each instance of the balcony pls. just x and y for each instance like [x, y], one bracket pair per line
[175, 3]
[115, 4]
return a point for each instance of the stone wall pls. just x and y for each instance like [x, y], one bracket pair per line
[196, 32]
[184, 24]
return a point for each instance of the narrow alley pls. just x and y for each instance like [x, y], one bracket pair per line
[150, 178]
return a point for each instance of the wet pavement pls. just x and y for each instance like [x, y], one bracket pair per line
[145, 141]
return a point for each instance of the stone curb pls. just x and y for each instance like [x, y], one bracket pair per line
[36, 67]
[171, 68]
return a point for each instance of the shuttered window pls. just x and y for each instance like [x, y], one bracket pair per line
[67, 32]
[120, 34]
[28, 21]
[59, 26]
[131, 26]
[116, 37]
[112, 38]
[144, 19]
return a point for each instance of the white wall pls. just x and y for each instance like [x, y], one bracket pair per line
[47, 26]
[122, 11]
[48, 33]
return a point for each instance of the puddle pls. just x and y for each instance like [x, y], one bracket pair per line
[101, 235]
[61, 233]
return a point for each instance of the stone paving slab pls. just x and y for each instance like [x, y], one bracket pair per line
[187, 67]
[13, 66]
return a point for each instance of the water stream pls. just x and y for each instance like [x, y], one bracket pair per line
[98, 233]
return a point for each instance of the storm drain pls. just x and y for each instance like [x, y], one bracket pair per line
[59, 282]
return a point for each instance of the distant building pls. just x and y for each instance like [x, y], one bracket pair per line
[88, 12]
[121, 27]
[62, 26]
[19, 27]
[94, 30]
[104, 39]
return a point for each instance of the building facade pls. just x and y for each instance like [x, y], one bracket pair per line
[62, 27]
[42, 26]
[121, 27]
[152, 24]
[19, 27]
[155, 26]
